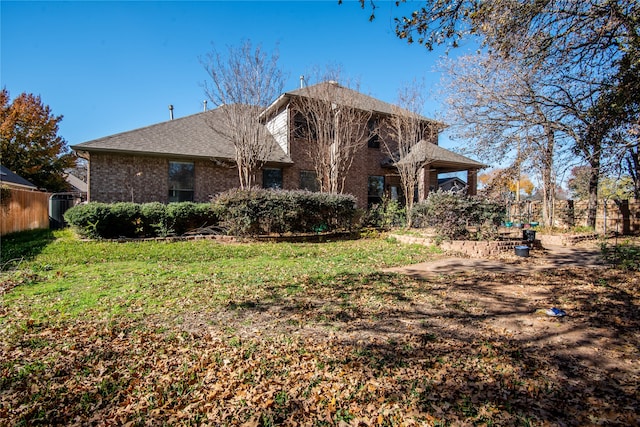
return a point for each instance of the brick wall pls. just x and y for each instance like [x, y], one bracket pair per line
[143, 179]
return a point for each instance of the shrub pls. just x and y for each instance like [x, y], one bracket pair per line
[624, 256]
[259, 211]
[89, 220]
[101, 220]
[155, 220]
[385, 215]
[186, 216]
[450, 213]
[124, 220]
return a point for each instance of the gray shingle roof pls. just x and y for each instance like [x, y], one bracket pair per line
[191, 136]
[350, 97]
[445, 160]
[8, 177]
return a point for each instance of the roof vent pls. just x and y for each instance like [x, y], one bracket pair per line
[170, 112]
[333, 82]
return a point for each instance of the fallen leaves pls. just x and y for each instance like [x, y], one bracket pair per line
[385, 350]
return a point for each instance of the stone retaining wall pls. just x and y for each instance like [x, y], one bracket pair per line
[566, 239]
[473, 249]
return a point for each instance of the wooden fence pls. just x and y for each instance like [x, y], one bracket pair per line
[622, 217]
[24, 210]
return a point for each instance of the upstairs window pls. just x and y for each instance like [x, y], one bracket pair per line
[181, 181]
[374, 138]
[304, 129]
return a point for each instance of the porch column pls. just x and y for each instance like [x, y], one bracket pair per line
[423, 184]
[472, 182]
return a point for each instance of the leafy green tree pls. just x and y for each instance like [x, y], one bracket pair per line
[616, 188]
[31, 146]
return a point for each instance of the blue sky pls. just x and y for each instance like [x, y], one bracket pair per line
[109, 67]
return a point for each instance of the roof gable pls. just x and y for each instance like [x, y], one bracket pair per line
[334, 92]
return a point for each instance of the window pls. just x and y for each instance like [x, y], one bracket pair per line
[374, 138]
[181, 181]
[272, 178]
[376, 190]
[304, 129]
[309, 181]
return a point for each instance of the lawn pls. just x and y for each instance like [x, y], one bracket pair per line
[260, 334]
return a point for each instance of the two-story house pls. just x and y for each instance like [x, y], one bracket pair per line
[189, 159]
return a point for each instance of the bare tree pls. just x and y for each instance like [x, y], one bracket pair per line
[592, 49]
[405, 135]
[503, 108]
[242, 84]
[335, 126]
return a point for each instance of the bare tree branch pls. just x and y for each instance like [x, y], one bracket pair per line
[242, 84]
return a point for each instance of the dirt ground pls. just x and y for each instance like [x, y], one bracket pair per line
[464, 298]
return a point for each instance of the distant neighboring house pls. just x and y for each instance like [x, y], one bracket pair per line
[188, 159]
[76, 185]
[13, 180]
[452, 184]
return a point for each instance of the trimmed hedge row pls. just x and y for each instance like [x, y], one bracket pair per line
[260, 212]
[102, 220]
[237, 212]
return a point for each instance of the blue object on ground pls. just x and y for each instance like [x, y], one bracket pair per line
[556, 312]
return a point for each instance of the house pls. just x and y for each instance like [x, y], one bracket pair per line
[12, 180]
[454, 184]
[189, 159]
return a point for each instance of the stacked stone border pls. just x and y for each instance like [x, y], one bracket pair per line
[567, 239]
[470, 248]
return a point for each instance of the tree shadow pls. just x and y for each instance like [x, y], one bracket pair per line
[481, 344]
[23, 245]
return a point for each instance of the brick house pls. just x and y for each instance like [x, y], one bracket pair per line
[189, 159]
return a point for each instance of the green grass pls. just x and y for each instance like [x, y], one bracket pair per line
[62, 277]
[203, 333]
[625, 255]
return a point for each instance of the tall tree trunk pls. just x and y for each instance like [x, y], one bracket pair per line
[594, 178]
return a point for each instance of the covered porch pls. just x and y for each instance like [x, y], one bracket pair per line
[435, 161]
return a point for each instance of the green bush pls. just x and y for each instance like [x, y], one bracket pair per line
[258, 211]
[89, 220]
[187, 216]
[239, 212]
[101, 220]
[624, 256]
[451, 213]
[124, 220]
[155, 220]
[385, 215]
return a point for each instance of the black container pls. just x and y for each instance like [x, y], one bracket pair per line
[529, 235]
[522, 251]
